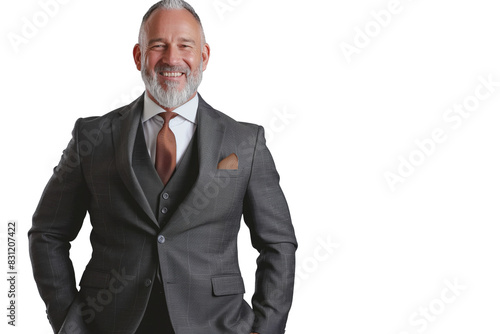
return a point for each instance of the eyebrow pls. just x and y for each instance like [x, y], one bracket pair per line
[154, 41]
[187, 40]
[183, 40]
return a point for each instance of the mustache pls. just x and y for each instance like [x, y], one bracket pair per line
[166, 68]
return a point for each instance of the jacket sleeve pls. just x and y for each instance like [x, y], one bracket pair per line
[267, 215]
[57, 221]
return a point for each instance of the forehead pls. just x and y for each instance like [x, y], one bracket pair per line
[172, 24]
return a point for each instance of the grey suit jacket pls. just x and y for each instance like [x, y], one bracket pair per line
[196, 250]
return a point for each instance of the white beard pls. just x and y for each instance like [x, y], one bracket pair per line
[172, 97]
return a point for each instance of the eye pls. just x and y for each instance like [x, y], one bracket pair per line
[158, 46]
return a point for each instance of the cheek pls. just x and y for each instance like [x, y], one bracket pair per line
[151, 61]
[193, 61]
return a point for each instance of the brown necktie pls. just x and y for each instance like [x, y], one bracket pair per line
[165, 149]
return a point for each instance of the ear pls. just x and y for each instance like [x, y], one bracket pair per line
[205, 55]
[137, 56]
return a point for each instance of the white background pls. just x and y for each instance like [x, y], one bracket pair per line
[370, 258]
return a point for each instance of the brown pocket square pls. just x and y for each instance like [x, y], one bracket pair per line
[230, 162]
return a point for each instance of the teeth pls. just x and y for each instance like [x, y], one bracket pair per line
[170, 74]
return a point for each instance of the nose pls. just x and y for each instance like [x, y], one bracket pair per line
[171, 56]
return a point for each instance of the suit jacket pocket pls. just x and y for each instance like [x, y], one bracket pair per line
[228, 172]
[95, 279]
[228, 285]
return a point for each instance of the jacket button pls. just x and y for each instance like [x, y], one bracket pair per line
[164, 210]
[147, 282]
[165, 195]
[161, 239]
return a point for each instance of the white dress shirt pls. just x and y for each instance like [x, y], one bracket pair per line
[183, 126]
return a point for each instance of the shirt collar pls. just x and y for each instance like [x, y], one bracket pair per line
[187, 110]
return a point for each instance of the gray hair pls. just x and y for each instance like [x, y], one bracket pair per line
[170, 4]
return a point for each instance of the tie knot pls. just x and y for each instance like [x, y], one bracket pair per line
[167, 116]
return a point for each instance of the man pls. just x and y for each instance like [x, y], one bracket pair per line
[165, 181]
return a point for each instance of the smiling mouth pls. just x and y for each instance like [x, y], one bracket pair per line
[171, 74]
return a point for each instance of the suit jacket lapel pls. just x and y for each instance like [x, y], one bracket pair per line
[124, 130]
[210, 134]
